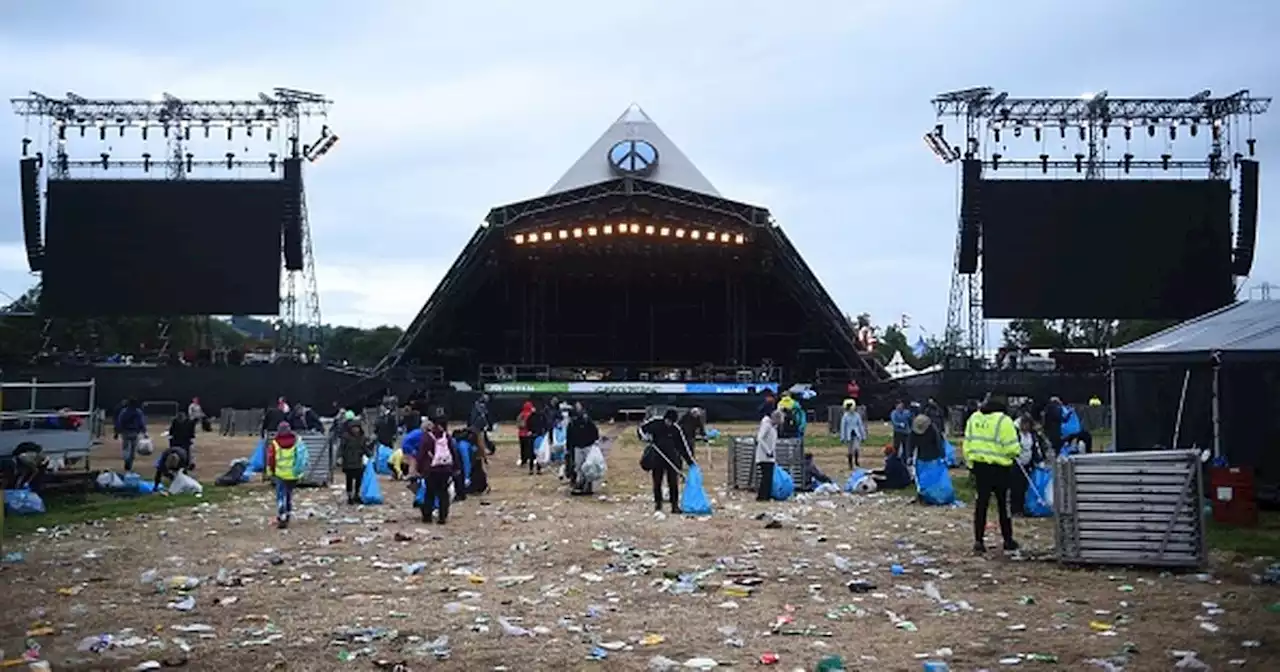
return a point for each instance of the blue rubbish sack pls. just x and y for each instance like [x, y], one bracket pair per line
[693, 500]
[712, 433]
[933, 482]
[783, 485]
[132, 482]
[420, 495]
[370, 490]
[23, 502]
[852, 482]
[382, 460]
[949, 453]
[258, 460]
[464, 451]
[147, 488]
[1039, 499]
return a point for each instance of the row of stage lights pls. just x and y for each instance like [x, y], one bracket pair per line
[627, 230]
[997, 127]
[184, 127]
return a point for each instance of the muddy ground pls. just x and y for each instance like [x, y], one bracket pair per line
[584, 574]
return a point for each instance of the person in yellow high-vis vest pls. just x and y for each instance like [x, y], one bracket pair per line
[287, 462]
[990, 447]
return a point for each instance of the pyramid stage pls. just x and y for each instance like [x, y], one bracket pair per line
[631, 282]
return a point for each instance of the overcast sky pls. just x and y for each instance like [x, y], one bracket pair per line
[812, 109]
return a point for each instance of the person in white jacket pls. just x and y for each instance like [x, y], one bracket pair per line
[853, 431]
[766, 451]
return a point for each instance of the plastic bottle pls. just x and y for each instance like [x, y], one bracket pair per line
[936, 666]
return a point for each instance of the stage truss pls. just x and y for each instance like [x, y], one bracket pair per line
[280, 115]
[983, 116]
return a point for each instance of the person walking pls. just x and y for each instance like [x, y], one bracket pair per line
[286, 463]
[353, 448]
[579, 436]
[853, 431]
[130, 425]
[990, 447]
[766, 452]
[482, 424]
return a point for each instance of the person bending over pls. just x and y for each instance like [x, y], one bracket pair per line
[172, 462]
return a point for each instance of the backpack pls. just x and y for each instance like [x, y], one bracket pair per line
[441, 456]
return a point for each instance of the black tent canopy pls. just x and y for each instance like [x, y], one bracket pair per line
[1211, 382]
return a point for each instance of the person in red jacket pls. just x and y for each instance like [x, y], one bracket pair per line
[524, 421]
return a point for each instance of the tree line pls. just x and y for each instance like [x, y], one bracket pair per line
[22, 326]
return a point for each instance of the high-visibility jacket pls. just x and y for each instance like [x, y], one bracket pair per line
[286, 459]
[991, 438]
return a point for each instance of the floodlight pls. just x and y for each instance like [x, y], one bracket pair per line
[608, 229]
[664, 231]
[648, 230]
[724, 237]
[577, 233]
[679, 233]
[696, 234]
[563, 234]
[591, 231]
[635, 228]
[546, 235]
[740, 239]
[519, 239]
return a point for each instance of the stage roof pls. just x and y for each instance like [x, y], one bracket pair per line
[1244, 327]
[671, 166]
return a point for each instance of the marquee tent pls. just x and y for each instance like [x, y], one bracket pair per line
[1211, 382]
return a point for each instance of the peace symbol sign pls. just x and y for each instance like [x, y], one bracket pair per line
[633, 157]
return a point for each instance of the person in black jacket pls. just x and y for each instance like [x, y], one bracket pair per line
[665, 457]
[694, 426]
[579, 436]
[386, 428]
[272, 416]
[1052, 423]
[925, 443]
[182, 434]
[354, 447]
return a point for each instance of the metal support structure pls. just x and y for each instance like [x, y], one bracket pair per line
[281, 113]
[983, 114]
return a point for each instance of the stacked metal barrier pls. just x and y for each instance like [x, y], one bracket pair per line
[1137, 508]
[320, 465]
[742, 456]
[240, 422]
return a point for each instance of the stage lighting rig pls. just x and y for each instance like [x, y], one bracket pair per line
[283, 109]
[982, 110]
[992, 122]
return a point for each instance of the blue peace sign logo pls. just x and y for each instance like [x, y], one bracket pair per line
[633, 157]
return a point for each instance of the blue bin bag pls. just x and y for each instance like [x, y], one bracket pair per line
[132, 482]
[258, 460]
[148, 488]
[382, 460]
[852, 482]
[420, 496]
[933, 482]
[693, 500]
[23, 502]
[949, 453]
[1039, 499]
[370, 489]
[783, 485]
[464, 451]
